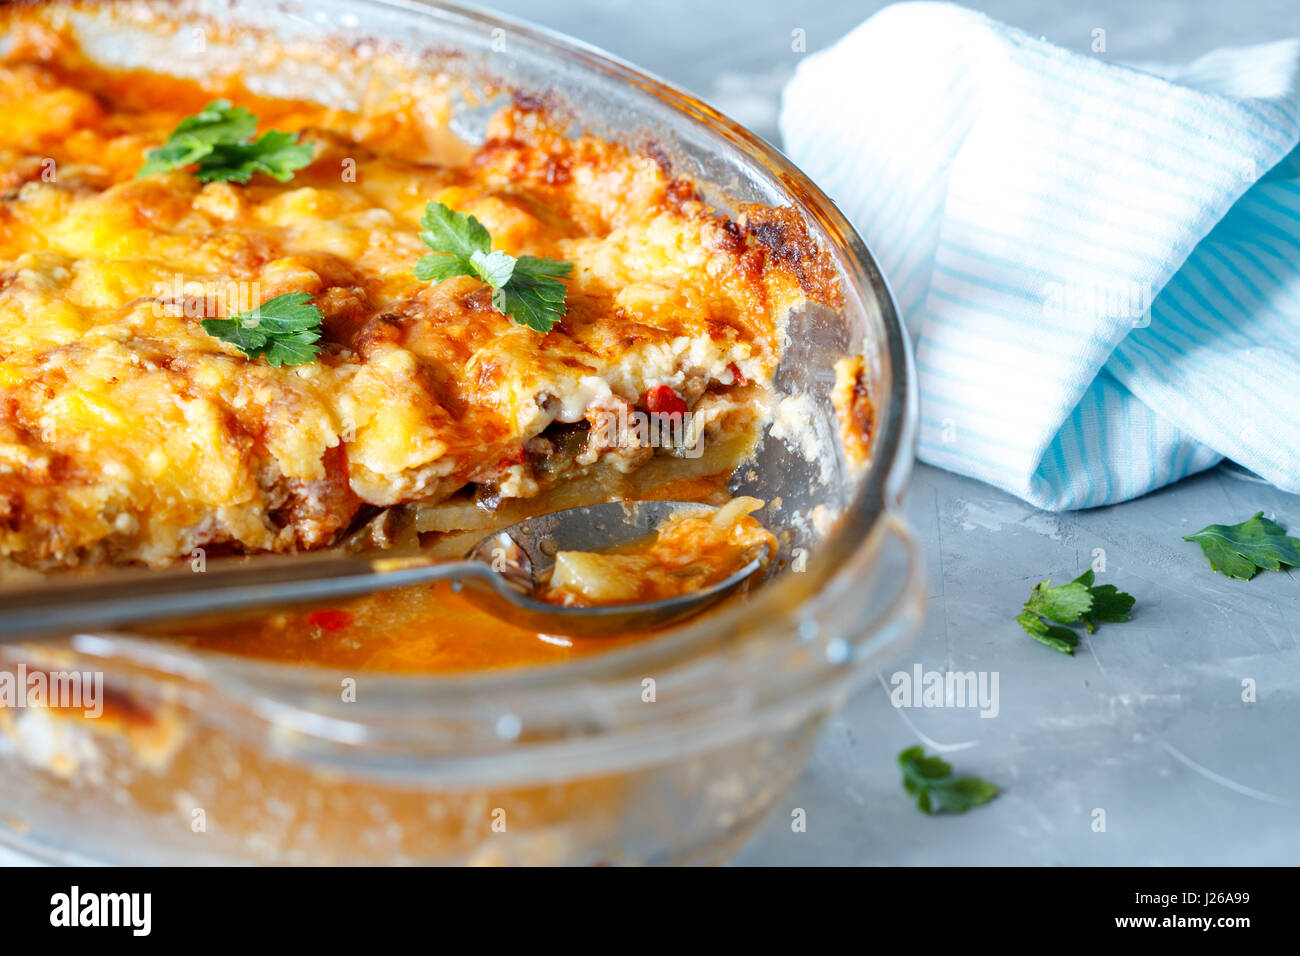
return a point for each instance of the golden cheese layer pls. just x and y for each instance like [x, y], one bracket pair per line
[129, 434]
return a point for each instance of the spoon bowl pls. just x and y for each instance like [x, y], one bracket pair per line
[525, 554]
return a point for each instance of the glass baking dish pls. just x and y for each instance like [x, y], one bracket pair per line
[668, 751]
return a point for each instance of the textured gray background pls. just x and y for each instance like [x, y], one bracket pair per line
[1147, 721]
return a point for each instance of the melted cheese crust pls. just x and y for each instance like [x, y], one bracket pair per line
[127, 434]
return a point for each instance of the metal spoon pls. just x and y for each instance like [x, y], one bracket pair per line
[522, 552]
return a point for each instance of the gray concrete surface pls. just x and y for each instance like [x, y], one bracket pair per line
[1146, 722]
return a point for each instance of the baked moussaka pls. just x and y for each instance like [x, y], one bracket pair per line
[132, 431]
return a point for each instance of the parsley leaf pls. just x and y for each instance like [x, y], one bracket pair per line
[1063, 605]
[197, 136]
[1242, 550]
[274, 153]
[284, 330]
[1079, 602]
[1109, 604]
[452, 234]
[1055, 636]
[534, 296]
[930, 780]
[525, 288]
[219, 139]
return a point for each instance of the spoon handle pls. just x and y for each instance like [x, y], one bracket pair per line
[118, 598]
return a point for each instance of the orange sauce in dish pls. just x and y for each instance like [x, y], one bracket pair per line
[411, 630]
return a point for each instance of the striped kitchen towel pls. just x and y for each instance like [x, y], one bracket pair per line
[1099, 267]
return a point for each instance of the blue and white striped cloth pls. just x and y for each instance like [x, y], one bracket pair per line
[1100, 267]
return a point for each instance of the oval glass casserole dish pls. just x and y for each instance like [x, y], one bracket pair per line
[667, 750]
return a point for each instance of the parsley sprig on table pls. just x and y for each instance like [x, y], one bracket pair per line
[525, 288]
[1243, 550]
[220, 140]
[1080, 602]
[930, 780]
[284, 330]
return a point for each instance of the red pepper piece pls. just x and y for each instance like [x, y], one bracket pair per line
[662, 400]
[330, 619]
